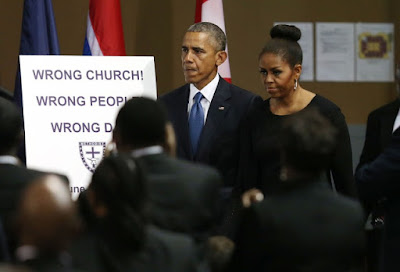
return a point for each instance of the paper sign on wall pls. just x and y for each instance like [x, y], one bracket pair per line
[70, 104]
[375, 56]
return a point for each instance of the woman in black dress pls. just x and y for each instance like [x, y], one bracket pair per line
[280, 66]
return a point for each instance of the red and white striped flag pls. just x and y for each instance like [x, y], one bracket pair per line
[104, 34]
[213, 11]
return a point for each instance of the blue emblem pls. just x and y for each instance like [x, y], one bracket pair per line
[92, 153]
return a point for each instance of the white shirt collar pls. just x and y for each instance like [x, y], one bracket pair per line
[208, 91]
[9, 160]
[150, 150]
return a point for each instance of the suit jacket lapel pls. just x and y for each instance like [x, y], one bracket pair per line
[181, 125]
[218, 108]
[387, 123]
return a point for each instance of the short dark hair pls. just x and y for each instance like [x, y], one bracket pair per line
[11, 125]
[119, 183]
[284, 43]
[141, 122]
[308, 141]
[214, 31]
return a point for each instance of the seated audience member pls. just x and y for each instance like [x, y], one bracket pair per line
[183, 196]
[47, 222]
[304, 226]
[380, 179]
[121, 239]
[14, 176]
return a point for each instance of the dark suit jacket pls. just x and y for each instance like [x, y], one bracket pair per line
[163, 252]
[50, 263]
[308, 228]
[218, 144]
[13, 180]
[183, 196]
[379, 131]
[380, 179]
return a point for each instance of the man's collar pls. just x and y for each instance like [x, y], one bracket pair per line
[208, 91]
[7, 159]
[149, 150]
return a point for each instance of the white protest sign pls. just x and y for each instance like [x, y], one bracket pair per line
[70, 104]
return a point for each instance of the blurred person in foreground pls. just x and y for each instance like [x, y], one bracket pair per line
[47, 222]
[183, 196]
[304, 226]
[119, 237]
[381, 124]
[14, 175]
[377, 180]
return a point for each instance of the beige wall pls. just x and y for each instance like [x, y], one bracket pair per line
[155, 27]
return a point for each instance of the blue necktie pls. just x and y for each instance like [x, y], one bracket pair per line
[196, 121]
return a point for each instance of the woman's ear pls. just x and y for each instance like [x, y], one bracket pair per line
[297, 70]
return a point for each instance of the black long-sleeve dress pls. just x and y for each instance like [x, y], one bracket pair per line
[259, 165]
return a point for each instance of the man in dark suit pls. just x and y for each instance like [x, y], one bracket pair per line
[222, 105]
[304, 226]
[183, 196]
[380, 126]
[14, 176]
[377, 180]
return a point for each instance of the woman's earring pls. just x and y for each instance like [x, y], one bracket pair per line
[295, 84]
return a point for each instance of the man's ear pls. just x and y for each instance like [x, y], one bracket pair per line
[116, 138]
[221, 57]
[170, 140]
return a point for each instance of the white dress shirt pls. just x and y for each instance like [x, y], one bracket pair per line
[9, 160]
[397, 121]
[208, 92]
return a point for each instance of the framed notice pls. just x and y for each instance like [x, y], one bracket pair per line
[70, 104]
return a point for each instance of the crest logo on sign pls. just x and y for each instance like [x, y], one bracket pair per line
[91, 154]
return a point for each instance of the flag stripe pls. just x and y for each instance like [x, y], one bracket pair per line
[91, 41]
[104, 30]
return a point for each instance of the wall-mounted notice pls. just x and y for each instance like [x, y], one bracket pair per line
[335, 52]
[70, 104]
[375, 58]
[307, 45]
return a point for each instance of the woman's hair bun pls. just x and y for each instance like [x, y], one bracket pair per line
[286, 32]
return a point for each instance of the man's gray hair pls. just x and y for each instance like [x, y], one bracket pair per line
[213, 30]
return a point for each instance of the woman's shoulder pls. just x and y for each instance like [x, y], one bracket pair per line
[328, 109]
[259, 110]
[324, 105]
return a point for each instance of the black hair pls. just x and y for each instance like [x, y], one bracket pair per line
[119, 184]
[141, 122]
[11, 125]
[308, 141]
[284, 43]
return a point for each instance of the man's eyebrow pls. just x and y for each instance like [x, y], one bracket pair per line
[198, 48]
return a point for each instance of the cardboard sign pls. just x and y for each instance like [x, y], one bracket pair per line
[70, 104]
